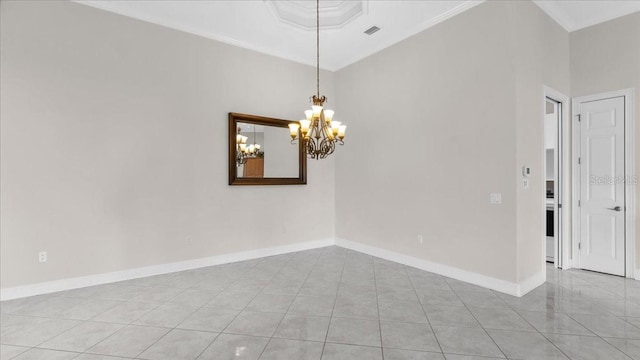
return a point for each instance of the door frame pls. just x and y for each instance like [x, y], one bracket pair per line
[563, 220]
[629, 162]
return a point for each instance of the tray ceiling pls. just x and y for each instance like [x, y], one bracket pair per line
[287, 28]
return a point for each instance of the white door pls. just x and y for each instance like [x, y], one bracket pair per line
[602, 186]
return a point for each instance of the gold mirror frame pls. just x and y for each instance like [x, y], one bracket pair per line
[234, 119]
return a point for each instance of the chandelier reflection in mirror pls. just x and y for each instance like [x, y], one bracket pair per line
[244, 151]
[320, 133]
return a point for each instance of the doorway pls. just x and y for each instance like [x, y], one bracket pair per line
[552, 130]
[603, 183]
[554, 194]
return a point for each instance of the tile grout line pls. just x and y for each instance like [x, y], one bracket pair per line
[536, 330]
[415, 292]
[476, 319]
[567, 292]
[289, 307]
[175, 327]
[245, 307]
[335, 300]
[375, 284]
[595, 335]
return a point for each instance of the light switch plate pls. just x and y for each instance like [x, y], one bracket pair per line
[495, 199]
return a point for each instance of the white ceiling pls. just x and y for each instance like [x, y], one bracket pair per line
[287, 28]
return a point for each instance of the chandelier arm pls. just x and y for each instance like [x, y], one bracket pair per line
[326, 148]
[311, 148]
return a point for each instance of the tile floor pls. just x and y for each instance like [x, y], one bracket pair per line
[328, 303]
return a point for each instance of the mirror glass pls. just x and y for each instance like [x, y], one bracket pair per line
[261, 152]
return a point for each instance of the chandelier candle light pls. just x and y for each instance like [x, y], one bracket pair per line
[243, 152]
[319, 132]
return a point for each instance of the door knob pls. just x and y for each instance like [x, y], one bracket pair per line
[617, 208]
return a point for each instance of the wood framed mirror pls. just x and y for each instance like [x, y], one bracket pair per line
[261, 152]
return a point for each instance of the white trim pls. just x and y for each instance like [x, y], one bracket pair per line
[557, 16]
[531, 283]
[99, 279]
[564, 141]
[630, 191]
[448, 271]
[418, 29]
[107, 6]
[575, 188]
[630, 211]
[637, 277]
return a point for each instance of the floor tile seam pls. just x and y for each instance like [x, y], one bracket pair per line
[478, 356]
[16, 355]
[515, 310]
[58, 334]
[288, 308]
[596, 334]
[45, 298]
[624, 318]
[415, 292]
[102, 312]
[476, 319]
[46, 317]
[536, 330]
[91, 346]
[48, 349]
[574, 335]
[234, 318]
[375, 285]
[532, 325]
[335, 300]
[169, 330]
[198, 309]
[157, 305]
[622, 351]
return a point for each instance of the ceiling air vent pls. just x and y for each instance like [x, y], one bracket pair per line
[371, 30]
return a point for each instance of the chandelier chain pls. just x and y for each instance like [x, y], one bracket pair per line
[319, 135]
[318, 45]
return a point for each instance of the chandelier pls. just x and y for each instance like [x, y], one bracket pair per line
[320, 133]
[244, 151]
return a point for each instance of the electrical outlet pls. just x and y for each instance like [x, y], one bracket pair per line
[495, 199]
[420, 239]
[42, 256]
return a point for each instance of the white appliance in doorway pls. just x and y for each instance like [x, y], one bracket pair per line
[552, 121]
[601, 184]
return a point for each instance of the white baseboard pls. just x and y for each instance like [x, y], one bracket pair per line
[452, 272]
[99, 279]
[503, 286]
[531, 283]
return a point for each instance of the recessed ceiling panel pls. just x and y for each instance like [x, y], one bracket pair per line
[286, 29]
[302, 13]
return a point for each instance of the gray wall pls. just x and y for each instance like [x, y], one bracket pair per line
[113, 140]
[542, 58]
[114, 145]
[440, 121]
[606, 57]
[280, 156]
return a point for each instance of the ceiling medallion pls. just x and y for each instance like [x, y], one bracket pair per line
[335, 13]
